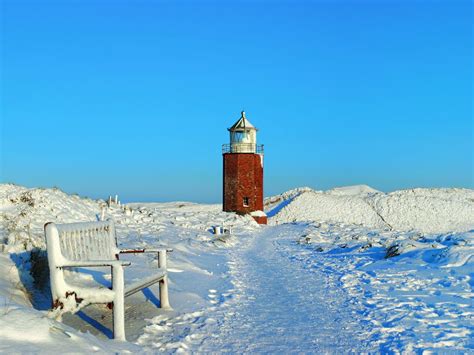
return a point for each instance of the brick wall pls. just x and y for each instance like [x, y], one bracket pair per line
[243, 177]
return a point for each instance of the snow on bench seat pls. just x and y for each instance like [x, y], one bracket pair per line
[94, 244]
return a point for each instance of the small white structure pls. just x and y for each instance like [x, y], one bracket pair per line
[111, 201]
[93, 244]
[102, 214]
[218, 230]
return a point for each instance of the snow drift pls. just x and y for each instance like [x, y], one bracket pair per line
[424, 210]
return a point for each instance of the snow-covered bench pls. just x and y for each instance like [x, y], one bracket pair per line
[94, 244]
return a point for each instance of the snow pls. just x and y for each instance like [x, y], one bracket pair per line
[258, 214]
[26, 330]
[356, 190]
[412, 301]
[424, 210]
[346, 270]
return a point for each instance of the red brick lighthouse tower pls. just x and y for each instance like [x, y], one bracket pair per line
[243, 171]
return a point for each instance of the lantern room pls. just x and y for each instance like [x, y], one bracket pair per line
[243, 137]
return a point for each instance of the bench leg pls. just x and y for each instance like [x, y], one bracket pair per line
[119, 307]
[164, 299]
[162, 264]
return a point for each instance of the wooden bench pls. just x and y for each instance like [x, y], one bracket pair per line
[94, 244]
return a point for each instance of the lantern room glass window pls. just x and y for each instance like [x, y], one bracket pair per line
[239, 137]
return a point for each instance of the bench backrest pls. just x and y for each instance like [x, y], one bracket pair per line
[81, 241]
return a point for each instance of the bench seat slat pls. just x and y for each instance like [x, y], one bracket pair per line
[94, 263]
[144, 283]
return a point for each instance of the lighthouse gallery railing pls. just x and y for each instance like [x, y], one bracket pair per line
[242, 148]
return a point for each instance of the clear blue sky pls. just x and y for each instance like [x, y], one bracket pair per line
[135, 97]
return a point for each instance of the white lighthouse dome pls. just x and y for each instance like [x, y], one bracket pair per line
[243, 136]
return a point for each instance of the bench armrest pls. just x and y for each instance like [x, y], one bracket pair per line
[145, 250]
[95, 263]
[162, 252]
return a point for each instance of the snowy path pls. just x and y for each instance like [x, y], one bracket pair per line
[334, 293]
[280, 305]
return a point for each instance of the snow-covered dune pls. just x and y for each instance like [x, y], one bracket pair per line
[424, 210]
[24, 292]
[387, 272]
[317, 206]
[25, 211]
[355, 190]
[427, 210]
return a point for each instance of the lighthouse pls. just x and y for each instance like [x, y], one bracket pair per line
[243, 171]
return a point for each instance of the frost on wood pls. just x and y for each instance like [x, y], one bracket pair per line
[93, 244]
[78, 242]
